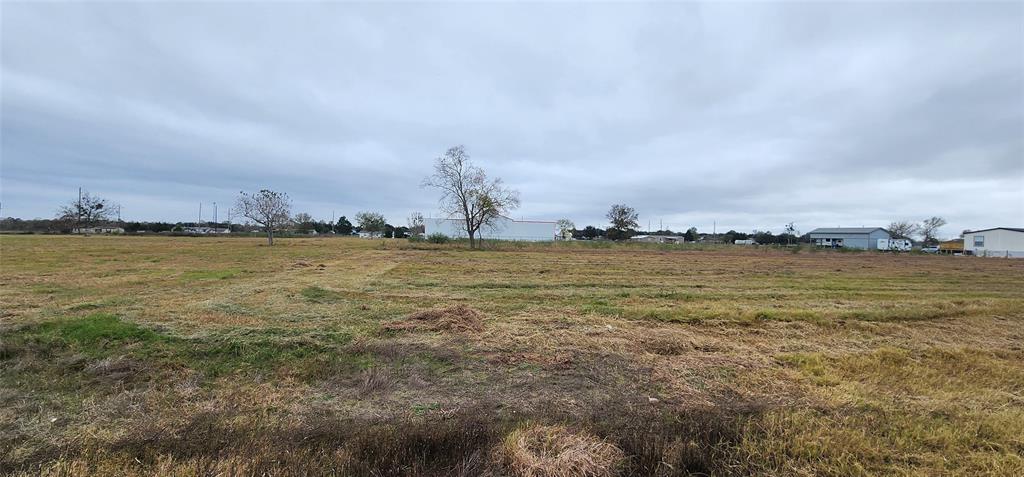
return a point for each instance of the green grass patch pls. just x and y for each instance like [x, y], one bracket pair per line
[421, 409]
[224, 352]
[233, 309]
[195, 275]
[92, 334]
[317, 294]
[812, 365]
[602, 307]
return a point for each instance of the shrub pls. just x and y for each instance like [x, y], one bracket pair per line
[416, 238]
[554, 451]
[437, 238]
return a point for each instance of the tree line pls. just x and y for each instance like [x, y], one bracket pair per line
[466, 194]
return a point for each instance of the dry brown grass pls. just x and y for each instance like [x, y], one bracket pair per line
[199, 356]
[456, 318]
[555, 451]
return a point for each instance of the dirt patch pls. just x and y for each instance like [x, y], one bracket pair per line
[458, 318]
[554, 451]
[116, 368]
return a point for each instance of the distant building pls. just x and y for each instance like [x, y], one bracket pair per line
[745, 242]
[658, 238]
[995, 242]
[205, 230]
[864, 238]
[503, 228]
[98, 230]
[954, 246]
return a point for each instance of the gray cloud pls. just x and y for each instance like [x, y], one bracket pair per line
[744, 115]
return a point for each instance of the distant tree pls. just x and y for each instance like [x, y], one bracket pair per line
[322, 227]
[371, 222]
[343, 227]
[565, 228]
[588, 233]
[467, 193]
[732, 236]
[930, 229]
[304, 222]
[401, 232]
[691, 234]
[623, 220]
[786, 238]
[765, 237]
[270, 209]
[902, 229]
[86, 211]
[416, 224]
[790, 233]
[136, 227]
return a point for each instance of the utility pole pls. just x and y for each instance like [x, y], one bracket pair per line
[200, 214]
[332, 221]
[78, 220]
[214, 214]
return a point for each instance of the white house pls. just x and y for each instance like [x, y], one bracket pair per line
[995, 242]
[503, 228]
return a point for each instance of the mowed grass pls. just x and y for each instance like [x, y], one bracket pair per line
[199, 356]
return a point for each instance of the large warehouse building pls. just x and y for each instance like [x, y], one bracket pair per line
[995, 242]
[503, 229]
[865, 238]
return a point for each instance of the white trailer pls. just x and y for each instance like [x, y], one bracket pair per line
[895, 245]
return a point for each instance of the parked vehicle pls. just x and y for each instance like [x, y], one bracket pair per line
[934, 249]
[895, 245]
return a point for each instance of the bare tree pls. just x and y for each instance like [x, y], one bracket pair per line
[416, 224]
[790, 232]
[930, 229]
[269, 209]
[304, 222]
[624, 221]
[467, 193]
[902, 229]
[372, 222]
[88, 210]
[565, 228]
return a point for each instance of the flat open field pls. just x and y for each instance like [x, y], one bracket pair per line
[218, 356]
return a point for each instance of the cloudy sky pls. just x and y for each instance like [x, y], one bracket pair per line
[745, 115]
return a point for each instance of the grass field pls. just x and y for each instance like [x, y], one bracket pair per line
[222, 356]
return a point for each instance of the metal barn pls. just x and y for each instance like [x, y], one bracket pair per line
[503, 229]
[865, 238]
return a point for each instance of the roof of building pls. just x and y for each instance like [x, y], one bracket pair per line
[502, 216]
[1012, 229]
[659, 236]
[845, 230]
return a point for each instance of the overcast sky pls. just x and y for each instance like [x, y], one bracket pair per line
[748, 115]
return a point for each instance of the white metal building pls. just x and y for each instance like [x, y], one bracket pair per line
[995, 242]
[503, 229]
[865, 238]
